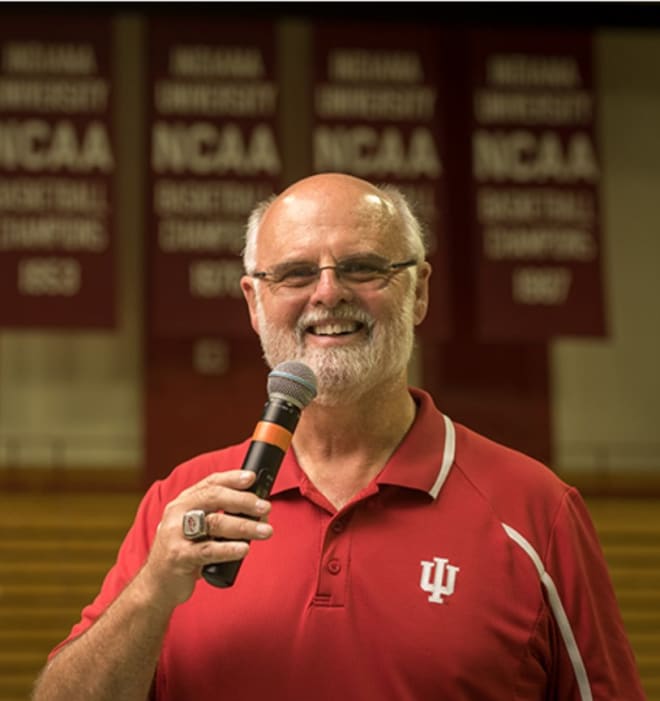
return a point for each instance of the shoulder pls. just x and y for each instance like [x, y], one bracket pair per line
[490, 464]
[520, 490]
[195, 469]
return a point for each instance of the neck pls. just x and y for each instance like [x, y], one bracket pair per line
[342, 448]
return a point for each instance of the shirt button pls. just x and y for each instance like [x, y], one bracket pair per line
[338, 526]
[334, 566]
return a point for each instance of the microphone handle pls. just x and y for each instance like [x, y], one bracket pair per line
[264, 459]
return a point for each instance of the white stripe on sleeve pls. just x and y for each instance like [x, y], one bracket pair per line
[558, 612]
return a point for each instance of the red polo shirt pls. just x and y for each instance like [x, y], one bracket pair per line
[464, 571]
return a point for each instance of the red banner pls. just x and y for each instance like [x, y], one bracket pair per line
[536, 173]
[377, 111]
[56, 168]
[214, 153]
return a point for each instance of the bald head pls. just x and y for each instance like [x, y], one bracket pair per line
[321, 200]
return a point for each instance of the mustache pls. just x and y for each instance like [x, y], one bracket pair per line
[345, 310]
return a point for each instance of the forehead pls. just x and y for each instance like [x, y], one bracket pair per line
[335, 223]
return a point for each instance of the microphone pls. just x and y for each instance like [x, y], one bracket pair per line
[291, 387]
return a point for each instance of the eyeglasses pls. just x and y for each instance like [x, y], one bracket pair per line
[363, 272]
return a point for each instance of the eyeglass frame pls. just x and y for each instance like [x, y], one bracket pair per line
[388, 270]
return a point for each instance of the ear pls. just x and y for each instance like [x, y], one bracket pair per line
[422, 292]
[250, 294]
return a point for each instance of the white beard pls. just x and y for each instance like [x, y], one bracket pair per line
[345, 373]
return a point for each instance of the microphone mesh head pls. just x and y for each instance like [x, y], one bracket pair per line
[293, 381]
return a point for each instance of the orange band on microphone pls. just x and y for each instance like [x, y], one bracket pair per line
[268, 432]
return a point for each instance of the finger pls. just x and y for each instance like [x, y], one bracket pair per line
[233, 479]
[224, 492]
[219, 551]
[233, 527]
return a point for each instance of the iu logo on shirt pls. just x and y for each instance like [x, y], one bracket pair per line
[444, 578]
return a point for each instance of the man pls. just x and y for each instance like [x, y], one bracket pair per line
[407, 557]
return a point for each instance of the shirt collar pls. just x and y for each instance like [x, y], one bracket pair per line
[422, 461]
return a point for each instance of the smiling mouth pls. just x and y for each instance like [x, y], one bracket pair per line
[335, 328]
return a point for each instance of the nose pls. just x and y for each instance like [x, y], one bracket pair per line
[330, 290]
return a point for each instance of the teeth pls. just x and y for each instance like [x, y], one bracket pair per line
[332, 329]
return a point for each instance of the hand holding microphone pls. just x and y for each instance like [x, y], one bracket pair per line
[291, 387]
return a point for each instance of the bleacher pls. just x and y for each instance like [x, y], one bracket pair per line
[54, 552]
[56, 547]
[629, 530]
